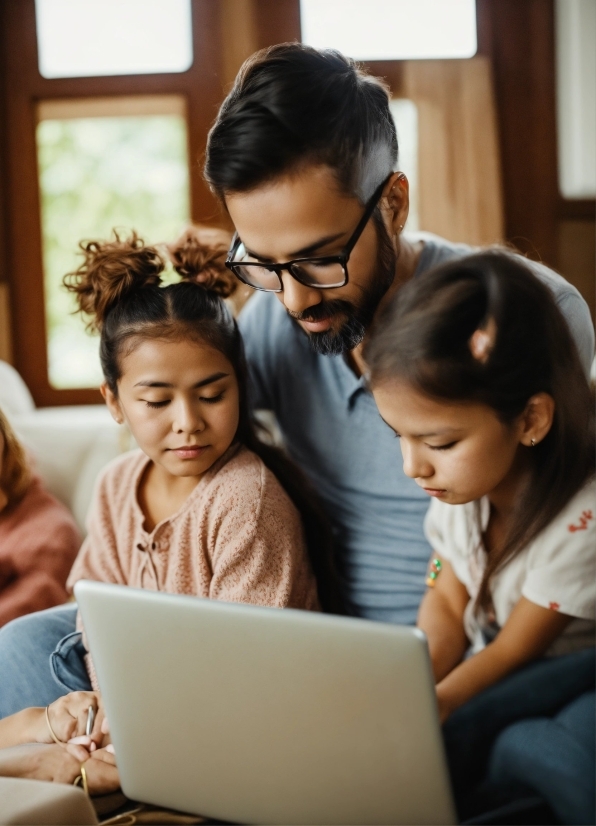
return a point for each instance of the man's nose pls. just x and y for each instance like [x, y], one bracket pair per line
[296, 296]
[416, 466]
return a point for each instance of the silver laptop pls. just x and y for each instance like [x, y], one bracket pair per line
[267, 716]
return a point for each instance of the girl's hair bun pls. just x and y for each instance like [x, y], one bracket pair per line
[199, 255]
[111, 270]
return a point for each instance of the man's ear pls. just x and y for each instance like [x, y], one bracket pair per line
[537, 419]
[395, 203]
[112, 403]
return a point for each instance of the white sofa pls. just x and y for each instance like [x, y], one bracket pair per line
[69, 445]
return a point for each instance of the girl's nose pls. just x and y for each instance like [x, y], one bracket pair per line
[416, 466]
[187, 419]
[296, 297]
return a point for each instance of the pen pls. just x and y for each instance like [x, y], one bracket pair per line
[90, 721]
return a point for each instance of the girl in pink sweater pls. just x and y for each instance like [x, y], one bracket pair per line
[203, 507]
[38, 536]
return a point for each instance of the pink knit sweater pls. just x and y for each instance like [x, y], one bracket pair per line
[38, 543]
[238, 537]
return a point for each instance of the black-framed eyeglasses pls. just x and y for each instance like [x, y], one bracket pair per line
[323, 273]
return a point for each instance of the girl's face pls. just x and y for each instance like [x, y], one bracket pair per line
[181, 402]
[457, 452]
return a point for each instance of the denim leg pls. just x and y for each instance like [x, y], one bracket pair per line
[26, 644]
[554, 757]
[540, 689]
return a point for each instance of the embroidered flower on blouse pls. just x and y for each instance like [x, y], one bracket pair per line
[583, 522]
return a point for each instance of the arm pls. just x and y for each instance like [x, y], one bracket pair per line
[526, 635]
[441, 618]
[57, 764]
[68, 718]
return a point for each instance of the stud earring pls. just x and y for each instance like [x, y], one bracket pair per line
[533, 442]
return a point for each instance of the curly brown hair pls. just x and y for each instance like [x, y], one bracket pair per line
[15, 473]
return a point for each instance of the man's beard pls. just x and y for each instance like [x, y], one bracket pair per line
[358, 316]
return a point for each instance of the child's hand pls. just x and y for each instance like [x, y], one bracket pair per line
[68, 717]
[100, 767]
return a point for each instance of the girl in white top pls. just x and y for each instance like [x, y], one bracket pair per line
[473, 367]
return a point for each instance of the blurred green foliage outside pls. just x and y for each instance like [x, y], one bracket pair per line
[97, 174]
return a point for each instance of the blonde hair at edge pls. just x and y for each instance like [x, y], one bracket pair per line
[15, 473]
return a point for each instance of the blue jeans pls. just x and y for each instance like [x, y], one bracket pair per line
[41, 659]
[503, 727]
[561, 770]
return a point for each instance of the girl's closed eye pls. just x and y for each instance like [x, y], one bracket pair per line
[442, 447]
[213, 399]
[156, 404]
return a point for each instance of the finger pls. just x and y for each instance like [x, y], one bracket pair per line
[105, 726]
[97, 733]
[110, 748]
[80, 753]
[83, 740]
[105, 755]
[102, 777]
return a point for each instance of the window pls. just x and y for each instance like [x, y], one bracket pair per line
[576, 97]
[104, 163]
[391, 29]
[405, 116]
[82, 38]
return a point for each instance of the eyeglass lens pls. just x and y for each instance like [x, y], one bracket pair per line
[312, 272]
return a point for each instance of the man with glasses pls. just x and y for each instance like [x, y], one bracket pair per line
[302, 155]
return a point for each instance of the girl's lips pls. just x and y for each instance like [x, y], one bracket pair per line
[190, 452]
[320, 326]
[434, 491]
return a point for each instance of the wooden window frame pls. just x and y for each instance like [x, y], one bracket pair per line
[23, 88]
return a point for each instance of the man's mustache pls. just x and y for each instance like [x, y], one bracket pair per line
[326, 309]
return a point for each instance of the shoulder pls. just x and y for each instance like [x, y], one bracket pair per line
[574, 528]
[39, 507]
[245, 484]
[437, 250]
[561, 560]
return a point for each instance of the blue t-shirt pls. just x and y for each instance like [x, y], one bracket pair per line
[333, 431]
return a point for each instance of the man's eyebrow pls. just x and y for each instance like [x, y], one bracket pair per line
[301, 253]
[202, 383]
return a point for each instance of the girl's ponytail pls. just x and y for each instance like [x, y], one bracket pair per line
[110, 271]
[199, 256]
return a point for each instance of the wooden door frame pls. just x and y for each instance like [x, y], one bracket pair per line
[23, 88]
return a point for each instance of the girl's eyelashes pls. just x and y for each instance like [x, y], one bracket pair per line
[442, 447]
[205, 399]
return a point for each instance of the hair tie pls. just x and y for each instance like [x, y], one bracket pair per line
[482, 341]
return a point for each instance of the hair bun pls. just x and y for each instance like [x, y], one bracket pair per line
[112, 269]
[199, 255]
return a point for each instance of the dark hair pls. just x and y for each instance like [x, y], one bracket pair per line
[425, 336]
[118, 286]
[293, 105]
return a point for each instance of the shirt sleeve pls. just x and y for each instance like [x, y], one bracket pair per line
[257, 546]
[561, 572]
